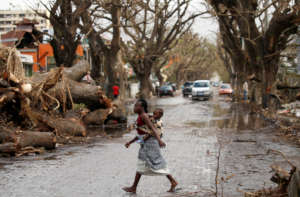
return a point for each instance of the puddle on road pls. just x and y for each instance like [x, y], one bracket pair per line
[235, 117]
[245, 138]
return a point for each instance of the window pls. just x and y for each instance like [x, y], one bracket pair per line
[21, 15]
[201, 85]
[1, 15]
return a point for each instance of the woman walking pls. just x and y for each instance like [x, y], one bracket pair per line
[150, 160]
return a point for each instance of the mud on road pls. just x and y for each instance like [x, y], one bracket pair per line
[193, 132]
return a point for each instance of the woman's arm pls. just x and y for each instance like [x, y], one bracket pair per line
[130, 142]
[147, 121]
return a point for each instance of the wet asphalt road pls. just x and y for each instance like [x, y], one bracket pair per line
[193, 132]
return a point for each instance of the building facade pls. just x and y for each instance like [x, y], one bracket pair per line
[28, 40]
[9, 19]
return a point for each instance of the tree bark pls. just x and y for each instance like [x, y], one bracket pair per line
[8, 148]
[36, 139]
[77, 71]
[145, 89]
[7, 135]
[96, 117]
[159, 76]
[111, 62]
[69, 127]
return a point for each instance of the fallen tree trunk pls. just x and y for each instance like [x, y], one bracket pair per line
[8, 148]
[54, 85]
[75, 72]
[96, 117]
[62, 126]
[85, 93]
[71, 127]
[7, 135]
[90, 95]
[36, 139]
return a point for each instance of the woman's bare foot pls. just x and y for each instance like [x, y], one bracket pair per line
[129, 189]
[173, 186]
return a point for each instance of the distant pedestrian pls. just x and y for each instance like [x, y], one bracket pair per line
[116, 91]
[150, 160]
[245, 90]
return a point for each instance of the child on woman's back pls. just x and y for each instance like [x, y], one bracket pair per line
[144, 133]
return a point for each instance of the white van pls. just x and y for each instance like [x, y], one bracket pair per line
[202, 90]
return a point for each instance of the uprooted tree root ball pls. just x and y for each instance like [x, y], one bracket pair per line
[33, 110]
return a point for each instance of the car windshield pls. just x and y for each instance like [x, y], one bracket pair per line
[166, 88]
[201, 84]
[187, 84]
[225, 86]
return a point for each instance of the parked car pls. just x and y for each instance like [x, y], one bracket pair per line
[166, 90]
[225, 89]
[174, 86]
[187, 88]
[202, 90]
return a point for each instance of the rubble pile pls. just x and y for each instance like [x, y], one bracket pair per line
[36, 111]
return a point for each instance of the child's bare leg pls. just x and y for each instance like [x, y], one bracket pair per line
[132, 189]
[173, 183]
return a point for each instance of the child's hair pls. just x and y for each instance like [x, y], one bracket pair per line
[160, 111]
[144, 104]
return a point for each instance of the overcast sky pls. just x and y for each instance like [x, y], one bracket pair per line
[204, 26]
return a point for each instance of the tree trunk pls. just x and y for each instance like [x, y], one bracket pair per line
[111, 63]
[85, 93]
[88, 94]
[97, 63]
[96, 117]
[159, 76]
[8, 148]
[69, 127]
[36, 139]
[77, 71]
[7, 135]
[64, 51]
[145, 89]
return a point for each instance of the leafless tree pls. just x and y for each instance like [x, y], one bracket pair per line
[64, 18]
[193, 57]
[254, 33]
[104, 17]
[152, 26]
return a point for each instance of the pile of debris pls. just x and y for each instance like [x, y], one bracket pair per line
[288, 121]
[36, 111]
[287, 177]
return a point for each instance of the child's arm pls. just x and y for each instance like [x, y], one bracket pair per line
[131, 141]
